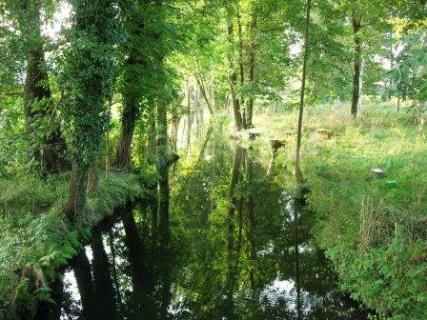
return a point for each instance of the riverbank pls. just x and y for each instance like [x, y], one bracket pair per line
[372, 227]
[37, 238]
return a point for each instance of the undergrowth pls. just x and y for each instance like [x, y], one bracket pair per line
[373, 229]
[37, 239]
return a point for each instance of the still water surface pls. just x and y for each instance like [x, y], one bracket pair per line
[235, 246]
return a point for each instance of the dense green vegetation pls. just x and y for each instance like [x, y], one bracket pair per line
[373, 229]
[104, 102]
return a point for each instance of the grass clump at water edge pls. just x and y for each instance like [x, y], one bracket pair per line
[37, 239]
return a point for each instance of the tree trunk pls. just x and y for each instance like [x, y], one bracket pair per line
[189, 115]
[204, 94]
[93, 179]
[163, 169]
[241, 69]
[152, 134]
[232, 77]
[357, 66]
[129, 117]
[77, 198]
[250, 104]
[51, 151]
[298, 173]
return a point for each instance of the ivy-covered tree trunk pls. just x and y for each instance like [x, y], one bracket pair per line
[88, 88]
[135, 73]
[357, 65]
[48, 145]
[129, 117]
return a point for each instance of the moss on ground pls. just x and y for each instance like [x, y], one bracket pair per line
[37, 239]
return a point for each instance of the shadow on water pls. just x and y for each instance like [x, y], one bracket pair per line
[237, 246]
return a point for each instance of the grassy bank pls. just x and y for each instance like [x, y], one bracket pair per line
[37, 238]
[373, 229]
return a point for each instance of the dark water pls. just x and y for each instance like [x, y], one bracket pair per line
[236, 246]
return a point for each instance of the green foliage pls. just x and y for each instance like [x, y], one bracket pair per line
[36, 233]
[373, 233]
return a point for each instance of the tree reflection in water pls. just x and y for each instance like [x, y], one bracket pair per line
[236, 247]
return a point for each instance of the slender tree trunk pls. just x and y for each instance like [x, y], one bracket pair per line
[189, 114]
[205, 94]
[163, 169]
[176, 121]
[252, 62]
[232, 77]
[298, 173]
[357, 66]
[241, 68]
[152, 134]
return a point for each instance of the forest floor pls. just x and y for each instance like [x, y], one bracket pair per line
[372, 228]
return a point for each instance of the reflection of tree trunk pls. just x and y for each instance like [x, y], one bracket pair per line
[205, 144]
[114, 269]
[106, 302]
[52, 311]
[135, 246]
[142, 279]
[297, 208]
[232, 247]
[357, 65]
[81, 268]
[251, 230]
[165, 290]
